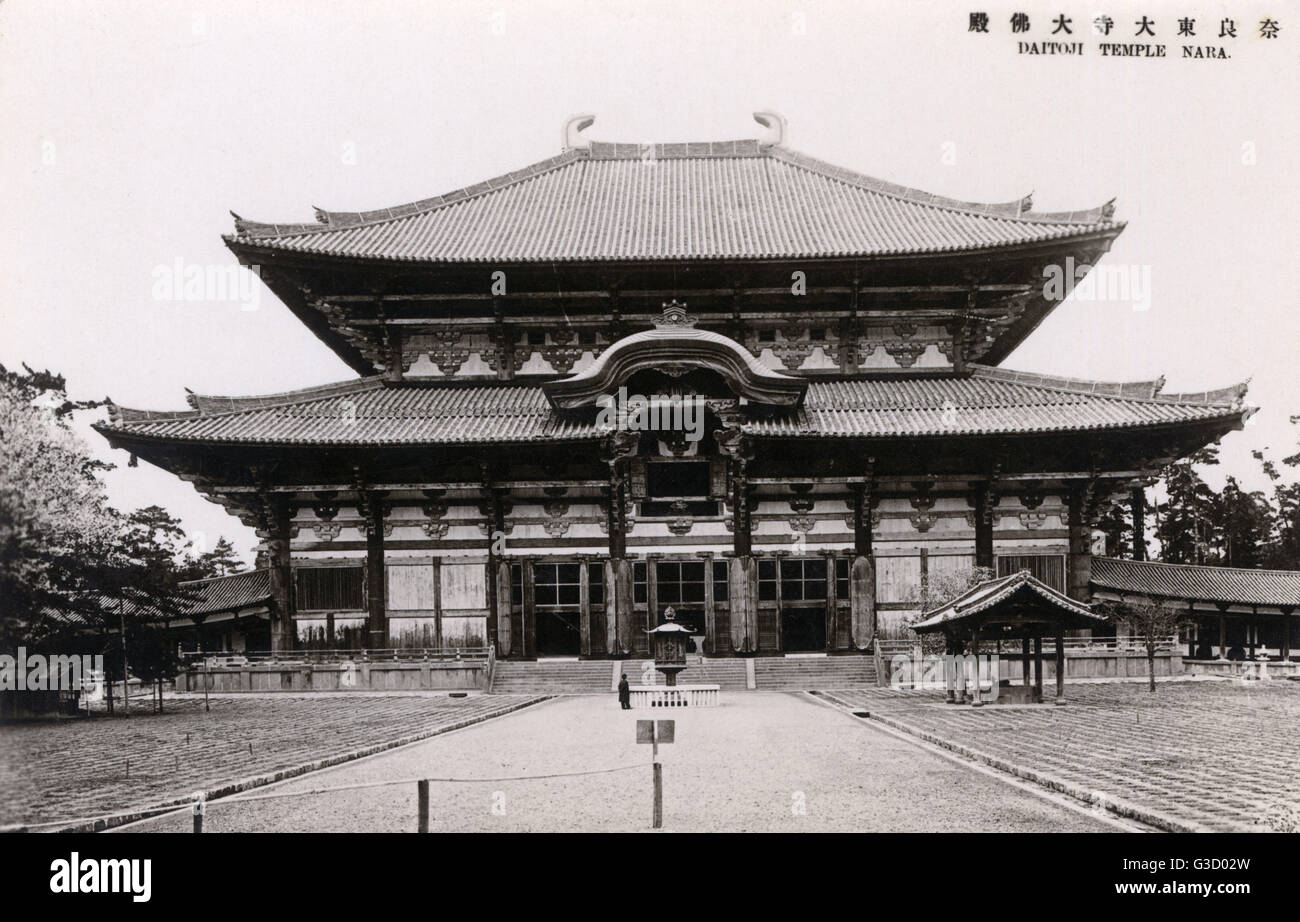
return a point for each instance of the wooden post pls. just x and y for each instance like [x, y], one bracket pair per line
[1079, 560]
[984, 527]
[279, 531]
[1025, 663]
[376, 577]
[1223, 631]
[1286, 634]
[658, 820]
[975, 658]
[1138, 505]
[1038, 667]
[422, 789]
[1060, 662]
[862, 572]
[1253, 630]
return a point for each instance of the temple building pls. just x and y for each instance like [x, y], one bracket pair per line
[724, 377]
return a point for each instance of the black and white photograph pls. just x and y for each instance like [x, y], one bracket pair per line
[649, 417]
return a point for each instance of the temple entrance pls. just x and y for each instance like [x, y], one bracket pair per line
[681, 585]
[557, 611]
[803, 630]
[558, 633]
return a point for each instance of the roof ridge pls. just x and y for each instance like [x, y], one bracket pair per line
[319, 392]
[1016, 210]
[334, 220]
[1164, 564]
[211, 579]
[205, 403]
[1228, 397]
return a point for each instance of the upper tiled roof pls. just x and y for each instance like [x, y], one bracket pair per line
[1202, 584]
[715, 200]
[374, 412]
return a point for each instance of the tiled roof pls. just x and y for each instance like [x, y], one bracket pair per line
[1202, 584]
[229, 593]
[716, 200]
[210, 596]
[991, 592]
[371, 411]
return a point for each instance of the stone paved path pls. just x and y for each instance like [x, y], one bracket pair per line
[1218, 755]
[763, 761]
[77, 768]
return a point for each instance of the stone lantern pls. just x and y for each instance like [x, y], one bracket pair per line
[668, 643]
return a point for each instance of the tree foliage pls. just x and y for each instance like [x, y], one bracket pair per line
[69, 561]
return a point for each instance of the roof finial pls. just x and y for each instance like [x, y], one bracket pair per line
[774, 122]
[574, 125]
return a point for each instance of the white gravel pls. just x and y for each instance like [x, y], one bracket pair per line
[762, 761]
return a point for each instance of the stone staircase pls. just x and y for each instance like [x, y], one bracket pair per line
[813, 673]
[591, 677]
[552, 677]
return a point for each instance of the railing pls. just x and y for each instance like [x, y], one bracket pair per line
[673, 696]
[1123, 645]
[323, 657]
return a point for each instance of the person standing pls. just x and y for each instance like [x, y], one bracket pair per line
[624, 693]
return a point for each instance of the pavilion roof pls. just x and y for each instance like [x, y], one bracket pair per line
[980, 599]
[1197, 583]
[373, 411]
[645, 202]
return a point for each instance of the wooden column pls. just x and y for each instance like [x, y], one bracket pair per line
[618, 574]
[376, 577]
[831, 605]
[1138, 504]
[1079, 559]
[437, 602]
[1223, 630]
[743, 575]
[1024, 665]
[278, 534]
[1286, 633]
[1060, 662]
[527, 640]
[984, 527]
[975, 659]
[584, 610]
[1252, 631]
[498, 569]
[1038, 667]
[862, 571]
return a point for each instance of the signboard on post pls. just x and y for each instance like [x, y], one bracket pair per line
[655, 731]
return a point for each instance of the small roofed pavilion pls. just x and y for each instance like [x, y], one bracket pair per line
[1010, 608]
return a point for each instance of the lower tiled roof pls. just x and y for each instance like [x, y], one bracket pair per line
[229, 593]
[205, 597]
[1194, 583]
[372, 411]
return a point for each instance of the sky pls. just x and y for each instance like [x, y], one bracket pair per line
[132, 129]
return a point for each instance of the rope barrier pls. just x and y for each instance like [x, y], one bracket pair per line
[237, 798]
[249, 798]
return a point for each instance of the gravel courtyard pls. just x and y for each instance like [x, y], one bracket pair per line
[78, 769]
[1214, 755]
[763, 761]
